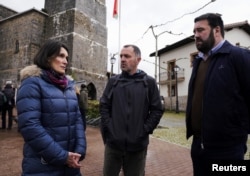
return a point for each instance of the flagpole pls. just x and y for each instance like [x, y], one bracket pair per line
[119, 35]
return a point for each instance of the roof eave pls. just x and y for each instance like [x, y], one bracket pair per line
[22, 13]
[175, 45]
[244, 25]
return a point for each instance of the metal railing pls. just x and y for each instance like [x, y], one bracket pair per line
[164, 76]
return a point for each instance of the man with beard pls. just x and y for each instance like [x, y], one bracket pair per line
[218, 107]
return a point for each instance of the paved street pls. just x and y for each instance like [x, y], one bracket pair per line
[163, 159]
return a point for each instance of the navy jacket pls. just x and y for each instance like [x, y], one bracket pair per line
[226, 98]
[50, 123]
[131, 109]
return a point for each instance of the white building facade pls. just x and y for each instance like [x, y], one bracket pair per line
[179, 56]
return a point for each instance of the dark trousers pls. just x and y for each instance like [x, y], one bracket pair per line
[83, 113]
[4, 112]
[203, 158]
[132, 163]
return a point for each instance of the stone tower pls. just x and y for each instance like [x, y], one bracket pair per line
[81, 24]
[21, 35]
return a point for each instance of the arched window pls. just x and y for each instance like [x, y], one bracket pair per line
[17, 46]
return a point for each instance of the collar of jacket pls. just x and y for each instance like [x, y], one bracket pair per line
[137, 75]
[35, 71]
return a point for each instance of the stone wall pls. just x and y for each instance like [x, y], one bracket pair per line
[20, 39]
[56, 6]
[82, 26]
[6, 12]
[172, 106]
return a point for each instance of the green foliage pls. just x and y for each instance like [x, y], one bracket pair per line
[73, 75]
[173, 114]
[93, 109]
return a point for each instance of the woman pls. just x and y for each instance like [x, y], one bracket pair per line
[48, 116]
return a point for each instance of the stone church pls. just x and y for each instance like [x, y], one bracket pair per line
[81, 24]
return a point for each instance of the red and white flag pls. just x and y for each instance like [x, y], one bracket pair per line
[115, 10]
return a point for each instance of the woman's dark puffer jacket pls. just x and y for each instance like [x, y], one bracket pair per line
[50, 123]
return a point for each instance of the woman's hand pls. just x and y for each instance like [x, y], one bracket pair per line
[73, 160]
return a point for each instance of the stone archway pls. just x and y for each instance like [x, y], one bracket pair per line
[91, 91]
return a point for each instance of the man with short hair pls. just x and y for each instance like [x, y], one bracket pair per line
[130, 110]
[218, 106]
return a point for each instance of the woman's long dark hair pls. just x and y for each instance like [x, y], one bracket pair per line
[50, 49]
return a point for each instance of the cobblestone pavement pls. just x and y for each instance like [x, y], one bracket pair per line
[163, 159]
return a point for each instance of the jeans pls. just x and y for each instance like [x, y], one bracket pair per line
[203, 158]
[132, 163]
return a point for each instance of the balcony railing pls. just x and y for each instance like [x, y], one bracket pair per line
[165, 77]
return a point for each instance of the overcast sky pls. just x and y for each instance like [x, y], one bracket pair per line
[138, 15]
